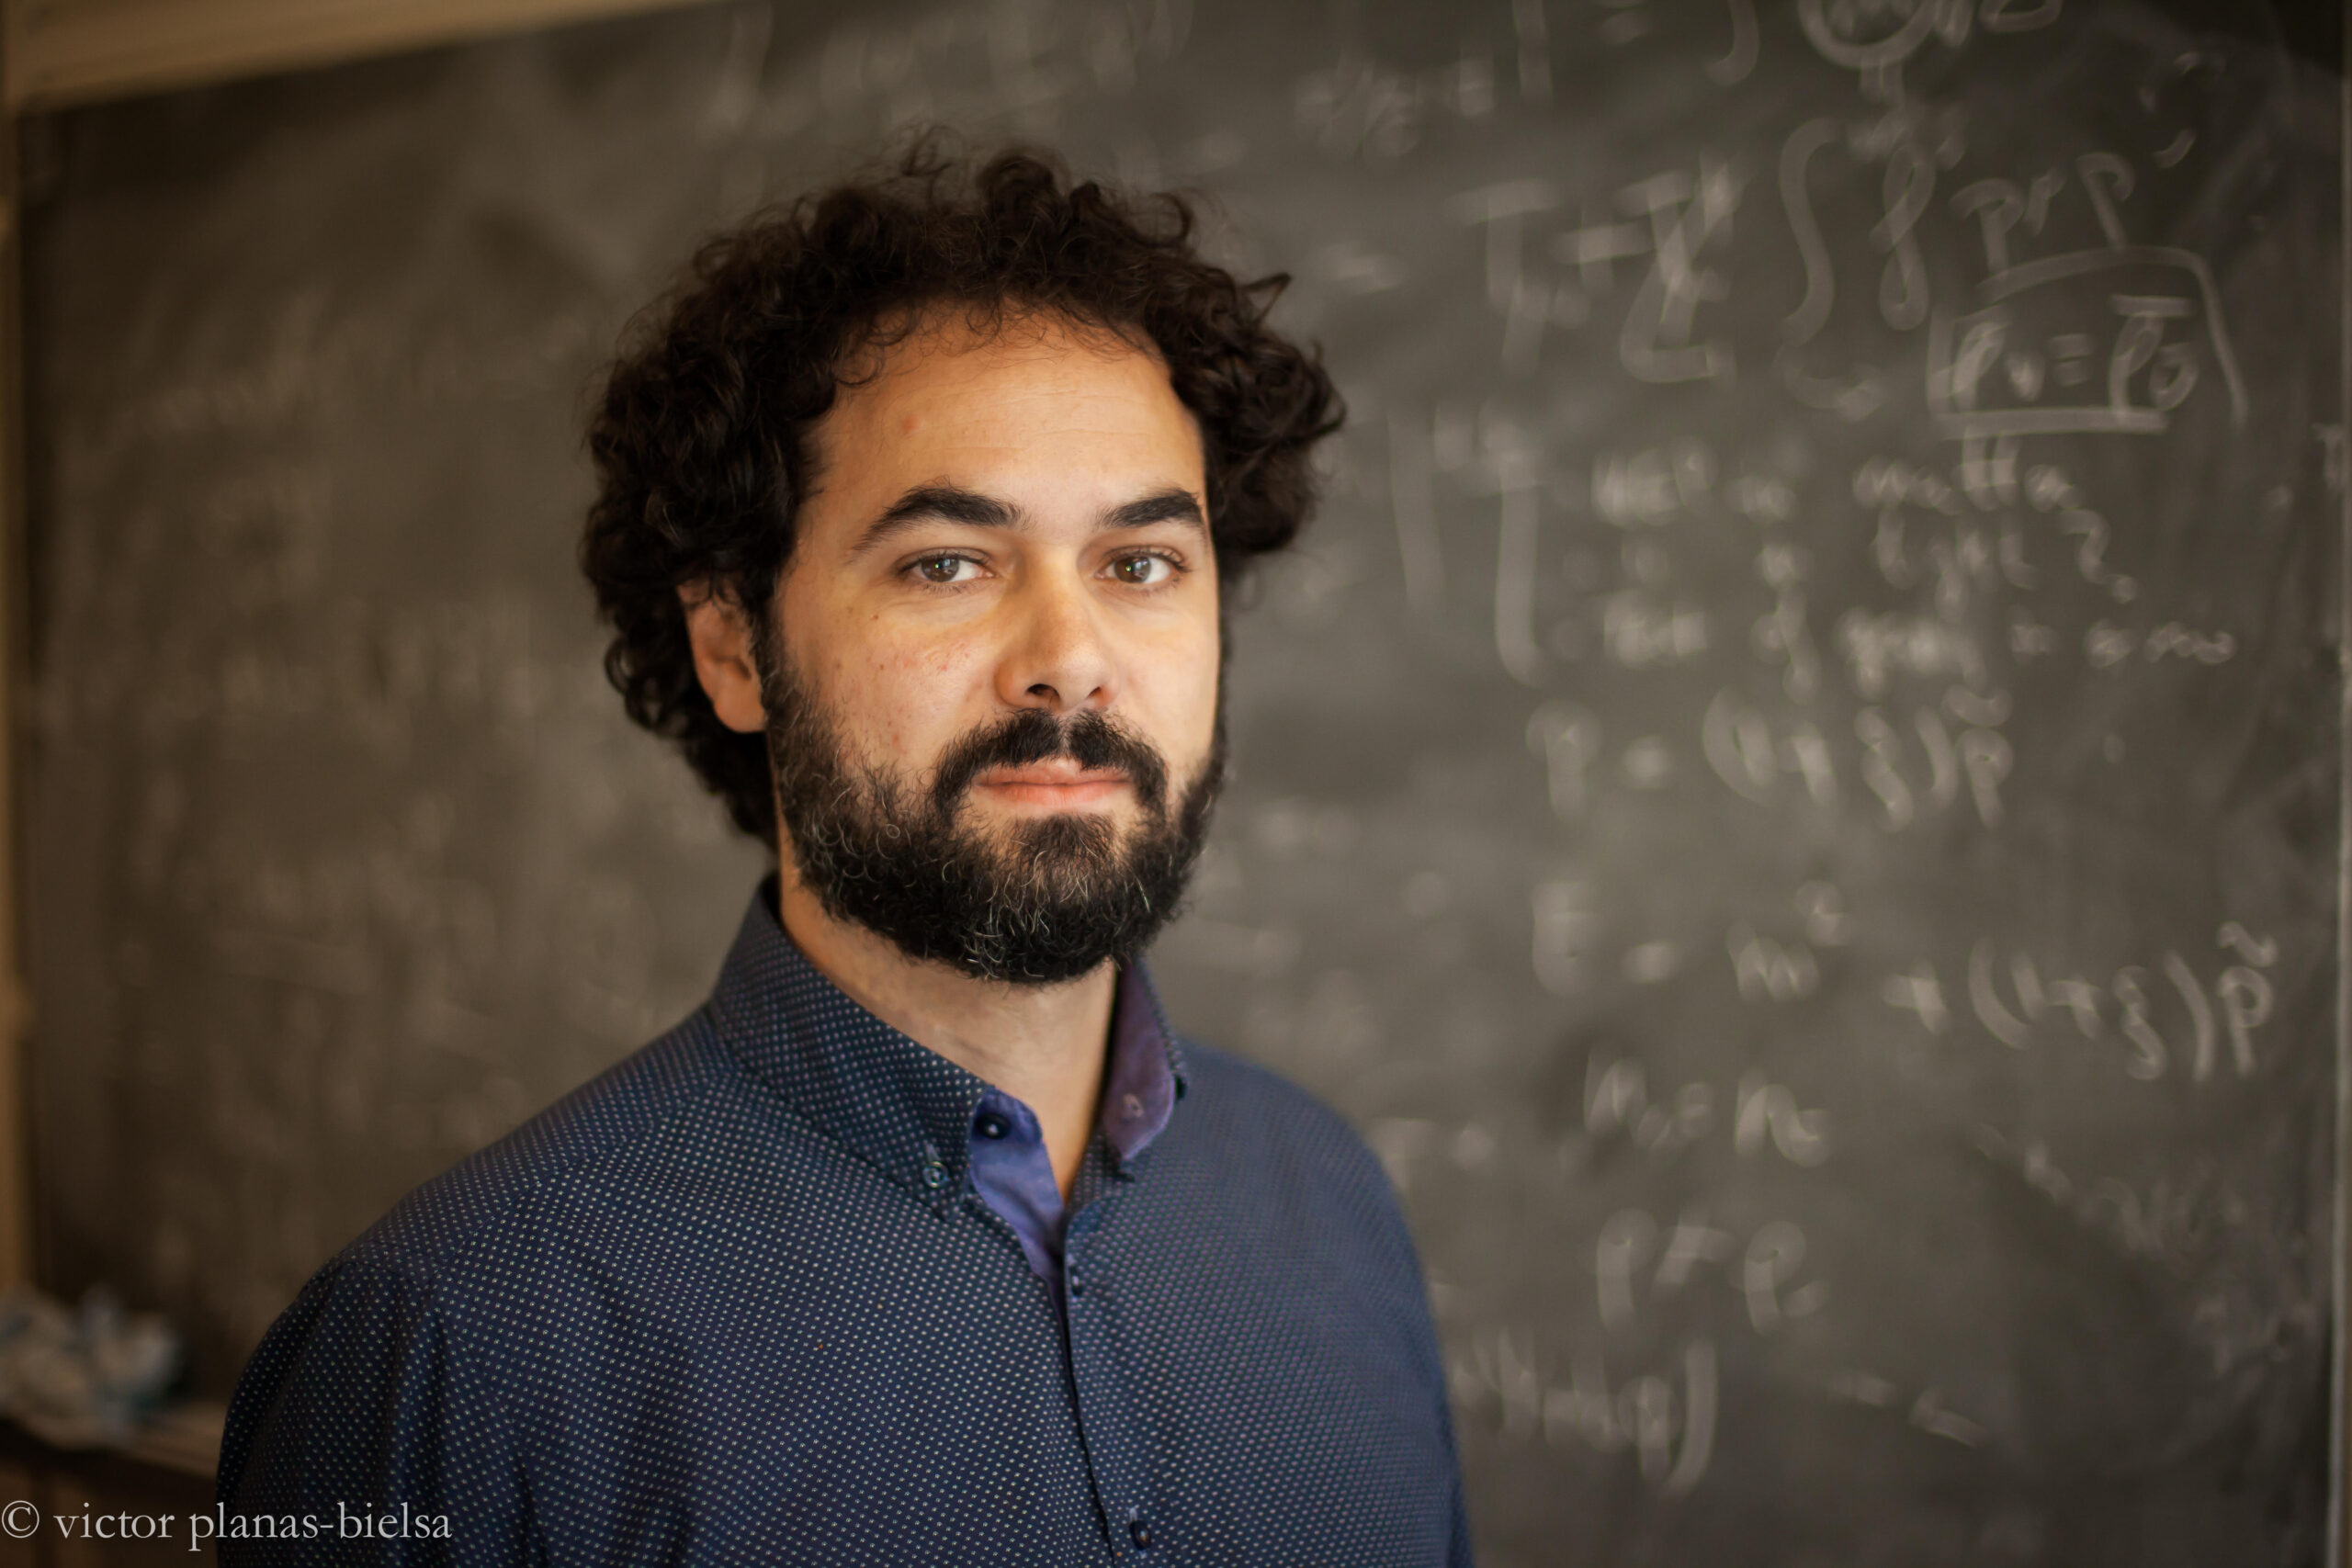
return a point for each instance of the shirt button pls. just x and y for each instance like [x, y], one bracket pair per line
[935, 1173]
[1077, 1285]
[1139, 1532]
[991, 1125]
[1130, 1107]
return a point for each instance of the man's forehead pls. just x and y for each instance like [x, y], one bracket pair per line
[955, 399]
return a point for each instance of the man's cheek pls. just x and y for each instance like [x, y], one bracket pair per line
[882, 729]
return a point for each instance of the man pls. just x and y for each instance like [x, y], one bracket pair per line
[925, 1242]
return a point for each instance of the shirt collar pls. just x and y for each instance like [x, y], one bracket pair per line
[892, 1101]
[1144, 1076]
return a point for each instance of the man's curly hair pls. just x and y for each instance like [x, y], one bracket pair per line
[702, 443]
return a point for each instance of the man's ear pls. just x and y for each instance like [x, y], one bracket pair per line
[721, 639]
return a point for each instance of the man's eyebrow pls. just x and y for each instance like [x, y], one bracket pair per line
[953, 503]
[937, 503]
[1170, 505]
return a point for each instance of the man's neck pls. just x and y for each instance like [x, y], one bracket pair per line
[1044, 1045]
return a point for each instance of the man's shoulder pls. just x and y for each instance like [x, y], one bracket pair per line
[446, 1266]
[476, 1203]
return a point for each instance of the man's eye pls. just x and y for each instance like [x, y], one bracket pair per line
[1143, 571]
[943, 568]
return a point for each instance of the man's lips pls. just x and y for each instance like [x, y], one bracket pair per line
[1055, 782]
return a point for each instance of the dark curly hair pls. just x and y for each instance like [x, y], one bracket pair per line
[702, 441]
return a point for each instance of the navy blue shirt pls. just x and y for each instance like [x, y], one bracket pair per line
[740, 1300]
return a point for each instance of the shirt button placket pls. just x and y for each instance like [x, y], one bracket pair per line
[1102, 1398]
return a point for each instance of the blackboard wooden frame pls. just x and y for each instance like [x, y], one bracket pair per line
[2341, 1432]
[15, 1131]
[71, 51]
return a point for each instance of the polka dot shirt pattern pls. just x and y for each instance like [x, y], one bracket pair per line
[739, 1301]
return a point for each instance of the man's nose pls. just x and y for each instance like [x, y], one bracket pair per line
[1055, 657]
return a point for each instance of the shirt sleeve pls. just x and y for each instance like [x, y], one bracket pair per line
[367, 1429]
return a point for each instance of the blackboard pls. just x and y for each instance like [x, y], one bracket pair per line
[1792, 793]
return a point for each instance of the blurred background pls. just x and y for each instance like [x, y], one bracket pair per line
[1794, 793]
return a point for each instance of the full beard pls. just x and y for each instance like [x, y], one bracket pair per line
[1035, 904]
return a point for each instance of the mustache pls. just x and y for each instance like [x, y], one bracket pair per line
[1031, 735]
